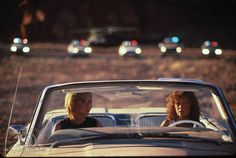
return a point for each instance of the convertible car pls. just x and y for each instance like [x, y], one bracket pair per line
[130, 113]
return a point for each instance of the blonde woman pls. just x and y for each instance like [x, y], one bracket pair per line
[78, 106]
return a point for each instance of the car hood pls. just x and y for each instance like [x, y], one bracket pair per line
[148, 146]
[184, 148]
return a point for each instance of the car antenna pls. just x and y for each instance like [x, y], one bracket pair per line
[12, 106]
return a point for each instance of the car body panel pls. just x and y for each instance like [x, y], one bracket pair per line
[127, 150]
[124, 148]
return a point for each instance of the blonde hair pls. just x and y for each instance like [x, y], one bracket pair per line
[72, 101]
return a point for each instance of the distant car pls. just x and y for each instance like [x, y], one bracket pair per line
[79, 48]
[170, 45]
[20, 46]
[211, 48]
[130, 48]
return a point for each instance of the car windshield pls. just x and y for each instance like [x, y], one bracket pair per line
[123, 109]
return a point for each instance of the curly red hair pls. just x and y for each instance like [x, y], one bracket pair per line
[190, 96]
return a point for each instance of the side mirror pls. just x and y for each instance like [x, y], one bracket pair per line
[18, 131]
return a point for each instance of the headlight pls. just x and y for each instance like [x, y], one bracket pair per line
[178, 50]
[69, 48]
[205, 51]
[26, 49]
[88, 50]
[122, 51]
[13, 48]
[218, 51]
[163, 49]
[75, 50]
[138, 50]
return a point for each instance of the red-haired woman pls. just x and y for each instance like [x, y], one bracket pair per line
[181, 105]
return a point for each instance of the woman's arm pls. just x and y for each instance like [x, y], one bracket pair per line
[165, 123]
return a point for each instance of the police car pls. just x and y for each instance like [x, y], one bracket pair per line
[79, 48]
[171, 45]
[211, 48]
[20, 46]
[130, 48]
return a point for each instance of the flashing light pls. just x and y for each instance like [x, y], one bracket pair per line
[17, 40]
[75, 42]
[175, 39]
[25, 41]
[83, 42]
[207, 43]
[127, 43]
[134, 42]
[214, 44]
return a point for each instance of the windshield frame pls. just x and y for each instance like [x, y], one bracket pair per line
[40, 108]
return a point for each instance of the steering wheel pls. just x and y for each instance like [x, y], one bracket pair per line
[195, 123]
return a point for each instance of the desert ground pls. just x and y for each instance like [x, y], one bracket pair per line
[48, 64]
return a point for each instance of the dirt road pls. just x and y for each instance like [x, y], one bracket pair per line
[49, 64]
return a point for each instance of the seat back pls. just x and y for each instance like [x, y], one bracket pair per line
[106, 120]
[150, 120]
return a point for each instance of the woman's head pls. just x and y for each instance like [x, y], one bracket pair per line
[182, 105]
[78, 105]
